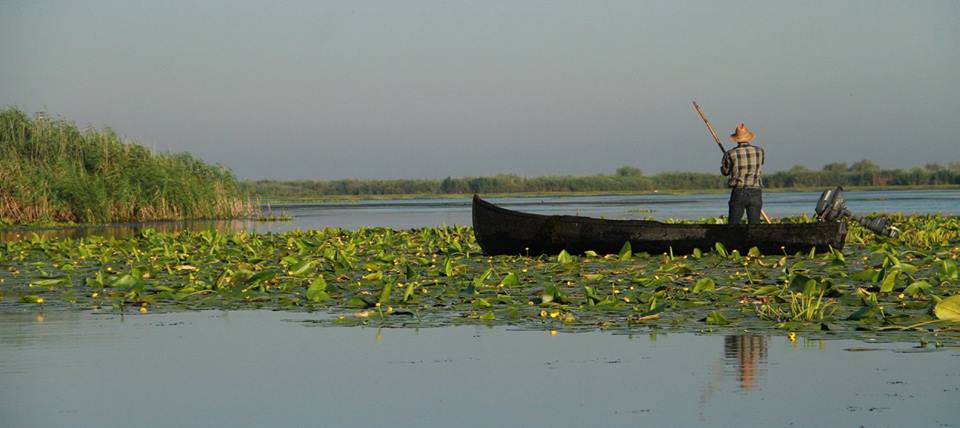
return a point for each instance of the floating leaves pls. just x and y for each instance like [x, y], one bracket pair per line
[448, 268]
[716, 318]
[889, 280]
[704, 284]
[373, 276]
[438, 275]
[317, 291]
[550, 294]
[385, 294]
[917, 287]
[50, 281]
[948, 309]
[510, 280]
[626, 252]
[721, 250]
[803, 284]
[301, 268]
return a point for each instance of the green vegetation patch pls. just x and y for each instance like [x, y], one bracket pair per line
[54, 172]
[904, 288]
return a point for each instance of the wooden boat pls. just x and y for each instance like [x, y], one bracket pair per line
[502, 231]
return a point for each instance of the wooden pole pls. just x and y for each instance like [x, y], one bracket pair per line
[713, 132]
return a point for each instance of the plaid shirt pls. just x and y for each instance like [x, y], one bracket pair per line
[744, 165]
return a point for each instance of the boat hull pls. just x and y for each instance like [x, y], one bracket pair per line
[502, 231]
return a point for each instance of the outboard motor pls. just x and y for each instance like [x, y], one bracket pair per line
[830, 208]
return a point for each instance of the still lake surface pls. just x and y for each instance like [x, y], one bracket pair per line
[262, 368]
[414, 213]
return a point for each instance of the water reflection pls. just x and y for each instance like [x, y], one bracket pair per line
[415, 213]
[78, 368]
[744, 359]
[746, 356]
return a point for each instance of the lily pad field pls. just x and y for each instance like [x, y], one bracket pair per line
[904, 289]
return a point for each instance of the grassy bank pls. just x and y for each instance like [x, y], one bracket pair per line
[626, 180]
[54, 172]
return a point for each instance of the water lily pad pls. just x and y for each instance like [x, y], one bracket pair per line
[917, 287]
[704, 284]
[510, 280]
[948, 309]
[626, 252]
[317, 291]
[716, 318]
[889, 281]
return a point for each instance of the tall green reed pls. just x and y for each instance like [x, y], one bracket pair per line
[51, 170]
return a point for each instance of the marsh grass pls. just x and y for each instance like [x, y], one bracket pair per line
[55, 172]
[799, 307]
[810, 307]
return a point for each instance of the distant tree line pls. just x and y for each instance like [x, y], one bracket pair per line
[627, 178]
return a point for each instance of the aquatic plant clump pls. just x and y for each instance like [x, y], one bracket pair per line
[54, 172]
[905, 287]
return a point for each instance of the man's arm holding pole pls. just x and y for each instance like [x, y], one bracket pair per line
[724, 169]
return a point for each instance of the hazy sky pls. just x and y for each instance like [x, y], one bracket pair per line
[397, 89]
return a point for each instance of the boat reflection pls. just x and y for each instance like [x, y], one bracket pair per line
[746, 358]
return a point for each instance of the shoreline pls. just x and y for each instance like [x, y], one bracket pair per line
[673, 192]
[347, 200]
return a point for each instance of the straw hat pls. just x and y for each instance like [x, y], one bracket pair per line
[742, 134]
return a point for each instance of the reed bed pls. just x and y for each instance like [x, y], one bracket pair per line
[52, 171]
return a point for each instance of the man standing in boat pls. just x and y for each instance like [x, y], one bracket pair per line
[744, 165]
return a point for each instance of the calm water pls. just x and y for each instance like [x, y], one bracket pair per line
[257, 368]
[403, 214]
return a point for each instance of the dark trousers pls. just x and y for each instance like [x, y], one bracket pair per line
[749, 199]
